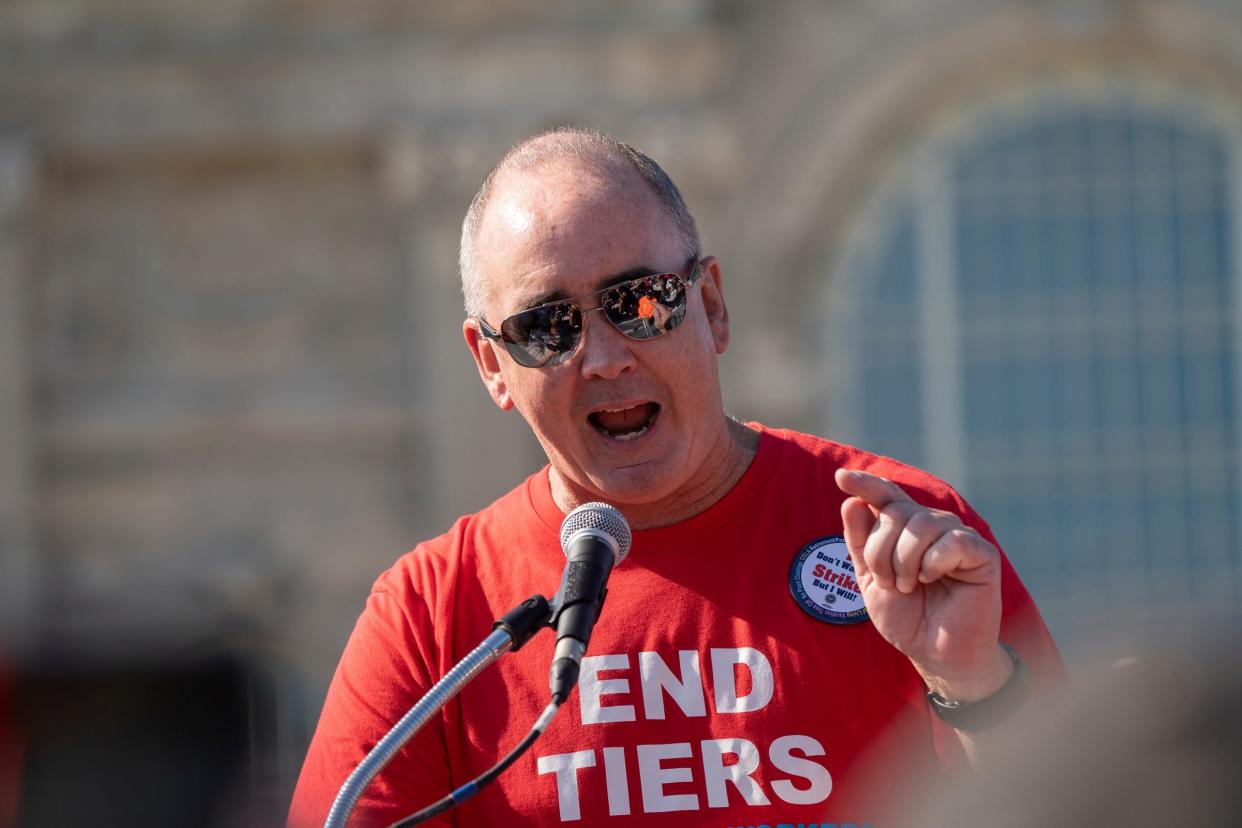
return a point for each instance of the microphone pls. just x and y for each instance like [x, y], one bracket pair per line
[595, 537]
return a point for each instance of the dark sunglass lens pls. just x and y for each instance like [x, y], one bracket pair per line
[544, 335]
[646, 307]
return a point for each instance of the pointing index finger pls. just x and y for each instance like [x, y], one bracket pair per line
[872, 489]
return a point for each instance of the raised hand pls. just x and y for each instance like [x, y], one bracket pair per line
[931, 585]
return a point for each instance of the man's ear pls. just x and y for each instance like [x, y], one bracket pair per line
[712, 292]
[487, 360]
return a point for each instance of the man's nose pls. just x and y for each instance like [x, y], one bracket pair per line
[606, 352]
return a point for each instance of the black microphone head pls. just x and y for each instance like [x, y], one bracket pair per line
[598, 518]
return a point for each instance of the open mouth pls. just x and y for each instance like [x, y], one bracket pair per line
[625, 424]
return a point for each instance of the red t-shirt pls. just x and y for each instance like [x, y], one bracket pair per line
[708, 696]
[10, 750]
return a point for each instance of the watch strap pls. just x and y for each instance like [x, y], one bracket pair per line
[987, 712]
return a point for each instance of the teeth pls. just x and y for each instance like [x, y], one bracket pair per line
[633, 435]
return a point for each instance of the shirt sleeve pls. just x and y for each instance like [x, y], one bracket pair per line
[1022, 627]
[388, 664]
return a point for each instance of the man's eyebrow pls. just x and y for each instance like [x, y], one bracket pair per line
[607, 282]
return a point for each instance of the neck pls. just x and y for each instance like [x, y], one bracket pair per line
[726, 462]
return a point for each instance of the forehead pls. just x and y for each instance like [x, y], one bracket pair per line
[568, 228]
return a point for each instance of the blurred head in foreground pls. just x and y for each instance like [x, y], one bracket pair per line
[1152, 741]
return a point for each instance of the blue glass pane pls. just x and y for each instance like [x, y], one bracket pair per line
[889, 390]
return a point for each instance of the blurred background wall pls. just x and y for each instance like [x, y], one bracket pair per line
[997, 239]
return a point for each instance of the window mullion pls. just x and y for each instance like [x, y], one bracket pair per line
[939, 324]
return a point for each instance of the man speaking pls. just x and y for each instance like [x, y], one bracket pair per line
[791, 608]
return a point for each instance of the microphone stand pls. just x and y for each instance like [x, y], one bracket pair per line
[513, 630]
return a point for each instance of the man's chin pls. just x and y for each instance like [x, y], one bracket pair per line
[637, 489]
[640, 485]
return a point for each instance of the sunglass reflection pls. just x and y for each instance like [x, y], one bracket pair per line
[641, 308]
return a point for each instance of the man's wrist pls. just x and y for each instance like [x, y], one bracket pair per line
[975, 714]
[992, 673]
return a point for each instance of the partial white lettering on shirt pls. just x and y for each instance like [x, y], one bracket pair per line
[657, 679]
[654, 776]
[565, 766]
[591, 689]
[618, 781]
[816, 774]
[724, 678]
[716, 772]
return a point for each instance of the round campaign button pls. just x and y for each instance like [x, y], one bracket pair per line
[821, 579]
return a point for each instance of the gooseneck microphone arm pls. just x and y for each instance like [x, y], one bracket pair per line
[595, 537]
[513, 630]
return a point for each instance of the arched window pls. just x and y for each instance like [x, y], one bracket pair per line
[1043, 308]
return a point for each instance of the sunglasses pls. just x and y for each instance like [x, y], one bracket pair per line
[641, 308]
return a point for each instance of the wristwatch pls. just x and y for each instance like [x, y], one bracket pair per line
[986, 712]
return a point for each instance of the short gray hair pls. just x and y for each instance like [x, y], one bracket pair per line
[552, 145]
